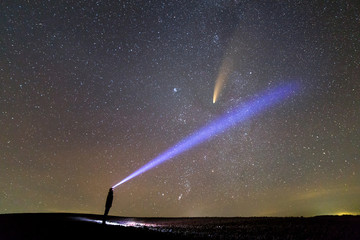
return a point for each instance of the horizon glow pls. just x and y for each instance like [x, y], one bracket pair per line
[233, 117]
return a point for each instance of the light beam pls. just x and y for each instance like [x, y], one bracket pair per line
[238, 115]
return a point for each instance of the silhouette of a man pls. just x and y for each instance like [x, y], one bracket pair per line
[108, 204]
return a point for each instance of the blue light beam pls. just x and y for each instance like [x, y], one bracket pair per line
[233, 117]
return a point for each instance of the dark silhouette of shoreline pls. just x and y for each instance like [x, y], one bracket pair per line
[87, 226]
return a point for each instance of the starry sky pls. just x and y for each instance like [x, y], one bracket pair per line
[92, 90]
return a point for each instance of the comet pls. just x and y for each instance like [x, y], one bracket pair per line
[223, 75]
[240, 114]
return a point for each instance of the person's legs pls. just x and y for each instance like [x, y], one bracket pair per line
[105, 215]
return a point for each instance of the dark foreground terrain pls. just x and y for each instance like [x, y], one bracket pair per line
[83, 226]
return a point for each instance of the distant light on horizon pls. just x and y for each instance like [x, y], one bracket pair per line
[346, 213]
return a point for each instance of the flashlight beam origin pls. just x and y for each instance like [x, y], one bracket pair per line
[233, 117]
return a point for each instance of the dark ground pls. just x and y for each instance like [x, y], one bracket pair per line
[84, 226]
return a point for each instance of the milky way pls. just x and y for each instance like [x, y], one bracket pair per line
[92, 90]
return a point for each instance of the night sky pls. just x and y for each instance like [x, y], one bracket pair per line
[92, 90]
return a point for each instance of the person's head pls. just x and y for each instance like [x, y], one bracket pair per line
[111, 189]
